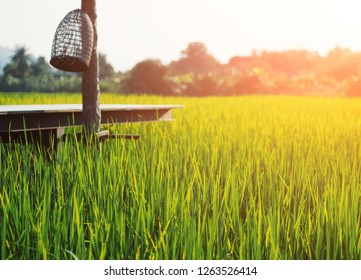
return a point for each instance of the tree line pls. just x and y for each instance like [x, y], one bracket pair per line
[24, 74]
[198, 73]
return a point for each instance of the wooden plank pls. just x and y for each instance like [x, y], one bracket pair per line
[49, 108]
[47, 138]
[32, 135]
[22, 117]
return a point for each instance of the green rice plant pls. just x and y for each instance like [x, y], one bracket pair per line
[251, 177]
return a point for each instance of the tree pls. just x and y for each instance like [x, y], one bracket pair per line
[148, 76]
[354, 88]
[205, 86]
[40, 67]
[195, 59]
[19, 65]
[106, 70]
[342, 64]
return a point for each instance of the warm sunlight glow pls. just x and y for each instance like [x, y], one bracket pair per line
[247, 116]
[130, 31]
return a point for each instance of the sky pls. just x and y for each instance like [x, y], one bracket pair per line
[133, 30]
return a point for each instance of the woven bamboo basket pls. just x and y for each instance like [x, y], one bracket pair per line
[73, 42]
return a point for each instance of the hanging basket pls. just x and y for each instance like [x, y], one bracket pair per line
[73, 42]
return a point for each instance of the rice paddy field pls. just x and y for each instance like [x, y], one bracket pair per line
[251, 177]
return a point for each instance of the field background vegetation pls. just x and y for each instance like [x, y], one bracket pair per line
[197, 73]
[249, 177]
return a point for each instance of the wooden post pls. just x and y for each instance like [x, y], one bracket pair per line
[90, 79]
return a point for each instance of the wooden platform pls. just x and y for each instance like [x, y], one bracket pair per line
[43, 122]
[21, 117]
